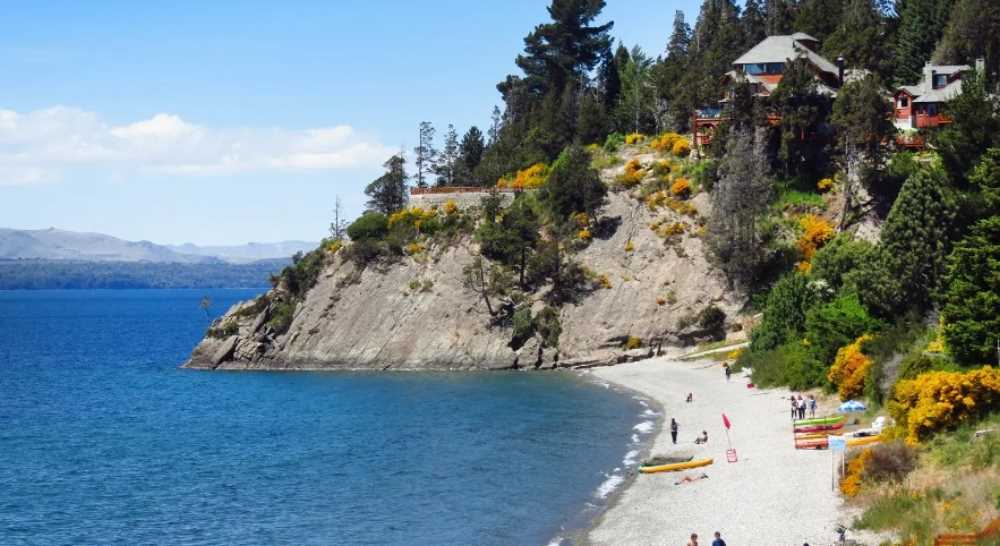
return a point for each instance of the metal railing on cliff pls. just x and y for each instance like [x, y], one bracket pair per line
[460, 189]
[990, 531]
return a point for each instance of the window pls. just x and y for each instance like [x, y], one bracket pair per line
[903, 102]
[932, 109]
[940, 80]
[759, 69]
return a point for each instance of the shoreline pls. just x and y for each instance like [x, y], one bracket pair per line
[774, 494]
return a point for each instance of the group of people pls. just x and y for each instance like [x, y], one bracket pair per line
[717, 542]
[675, 427]
[800, 405]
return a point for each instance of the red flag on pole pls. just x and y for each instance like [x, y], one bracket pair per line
[725, 421]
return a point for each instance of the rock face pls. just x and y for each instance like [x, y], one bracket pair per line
[416, 315]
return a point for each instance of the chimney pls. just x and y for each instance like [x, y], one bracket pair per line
[928, 76]
[840, 69]
[981, 65]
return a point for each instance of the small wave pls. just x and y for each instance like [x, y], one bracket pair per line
[635, 438]
[630, 458]
[609, 485]
[557, 541]
[644, 427]
[649, 413]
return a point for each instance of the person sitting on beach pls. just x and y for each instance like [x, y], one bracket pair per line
[690, 397]
[689, 479]
[718, 540]
[694, 540]
[703, 439]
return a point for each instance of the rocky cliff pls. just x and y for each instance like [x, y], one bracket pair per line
[416, 315]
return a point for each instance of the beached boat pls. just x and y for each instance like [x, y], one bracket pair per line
[814, 443]
[819, 428]
[863, 441]
[676, 466]
[809, 435]
[819, 421]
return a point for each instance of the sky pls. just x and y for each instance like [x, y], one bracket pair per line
[229, 122]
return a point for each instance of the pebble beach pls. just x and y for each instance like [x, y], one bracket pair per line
[772, 495]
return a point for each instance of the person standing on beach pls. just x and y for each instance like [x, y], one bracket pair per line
[673, 429]
[729, 372]
[812, 406]
[802, 407]
[694, 540]
[718, 540]
[795, 407]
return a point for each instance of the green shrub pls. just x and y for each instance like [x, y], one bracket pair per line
[705, 173]
[227, 328]
[371, 225]
[785, 313]
[613, 142]
[281, 316]
[790, 364]
[890, 462]
[835, 261]
[971, 298]
[833, 325]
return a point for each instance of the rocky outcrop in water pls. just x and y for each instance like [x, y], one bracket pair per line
[416, 315]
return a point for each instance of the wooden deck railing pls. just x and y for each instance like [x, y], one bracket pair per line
[990, 531]
[458, 189]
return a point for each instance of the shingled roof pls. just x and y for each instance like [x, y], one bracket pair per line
[781, 49]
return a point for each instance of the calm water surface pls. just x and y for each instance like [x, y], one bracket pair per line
[103, 440]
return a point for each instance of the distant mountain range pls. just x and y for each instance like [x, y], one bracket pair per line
[58, 244]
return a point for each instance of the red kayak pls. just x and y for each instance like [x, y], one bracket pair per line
[817, 443]
[819, 428]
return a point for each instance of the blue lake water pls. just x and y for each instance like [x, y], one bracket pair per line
[103, 440]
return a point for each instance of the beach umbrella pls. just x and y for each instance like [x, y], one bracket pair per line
[850, 406]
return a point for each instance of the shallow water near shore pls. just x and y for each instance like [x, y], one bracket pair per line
[104, 440]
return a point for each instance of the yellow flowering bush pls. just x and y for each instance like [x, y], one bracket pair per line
[937, 400]
[633, 343]
[634, 138]
[824, 184]
[633, 174]
[450, 207]
[333, 246]
[665, 142]
[681, 188]
[534, 176]
[850, 483]
[603, 281]
[582, 219]
[583, 234]
[629, 247]
[850, 368]
[414, 248]
[412, 215]
[681, 148]
[816, 231]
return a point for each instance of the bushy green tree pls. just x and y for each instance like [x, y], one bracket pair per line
[909, 261]
[985, 185]
[803, 111]
[921, 24]
[780, 15]
[573, 185]
[859, 37]
[471, 153]
[784, 318]
[388, 193]
[818, 18]
[512, 239]
[973, 32]
[753, 23]
[975, 127]
[832, 325]
[448, 166]
[971, 297]
[370, 225]
[839, 260]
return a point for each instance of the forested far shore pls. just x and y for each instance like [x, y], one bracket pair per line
[56, 274]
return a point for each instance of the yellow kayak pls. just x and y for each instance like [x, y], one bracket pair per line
[810, 435]
[674, 467]
[863, 441]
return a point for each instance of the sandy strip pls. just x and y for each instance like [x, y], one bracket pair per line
[774, 494]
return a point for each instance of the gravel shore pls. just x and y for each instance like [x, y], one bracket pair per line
[773, 495]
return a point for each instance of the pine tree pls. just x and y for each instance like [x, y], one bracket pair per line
[591, 124]
[739, 199]
[818, 18]
[560, 51]
[680, 38]
[338, 227]
[670, 73]
[779, 14]
[636, 100]
[973, 32]
[496, 124]
[425, 153]
[971, 299]
[921, 24]
[753, 23]
[803, 111]
[573, 185]
[447, 165]
[859, 37]
[910, 258]
[975, 126]
[610, 81]
[471, 152]
[388, 193]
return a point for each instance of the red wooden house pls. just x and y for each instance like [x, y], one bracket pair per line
[921, 106]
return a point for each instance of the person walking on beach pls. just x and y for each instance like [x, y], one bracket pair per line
[718, 540]
[812, 406]
[729, 372]
[694, 540]
[673, 429]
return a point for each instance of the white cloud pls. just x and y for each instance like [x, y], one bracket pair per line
[48, 144]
